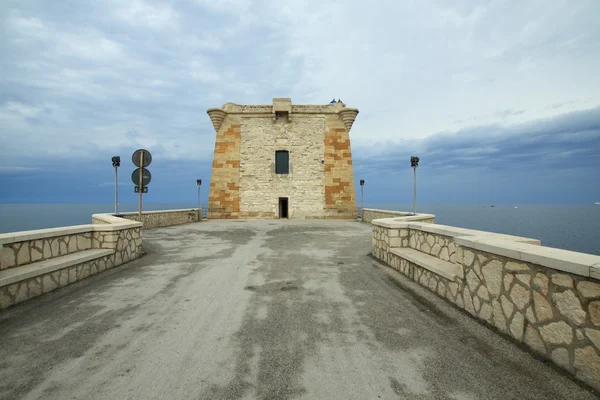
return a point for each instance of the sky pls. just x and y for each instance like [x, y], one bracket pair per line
[500, 100]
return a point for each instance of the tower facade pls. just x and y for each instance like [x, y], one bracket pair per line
[282, 161]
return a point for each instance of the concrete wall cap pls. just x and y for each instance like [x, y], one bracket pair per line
[400, 222]
[162, 211]
[454, 231]
[22, 236]
[114, 223]
[562, 260]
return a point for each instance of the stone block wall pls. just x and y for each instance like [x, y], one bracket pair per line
[340, 197]
[162, 218]
[261, 187]
[320, 182]
[547, 299]
[224, 197]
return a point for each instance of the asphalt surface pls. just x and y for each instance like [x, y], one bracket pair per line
[260, 309]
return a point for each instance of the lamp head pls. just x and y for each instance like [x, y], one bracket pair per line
[414, 162]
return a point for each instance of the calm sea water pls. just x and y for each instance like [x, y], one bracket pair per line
[571, 227]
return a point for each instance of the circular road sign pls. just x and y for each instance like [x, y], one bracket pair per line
[136, 158]
[146, 177]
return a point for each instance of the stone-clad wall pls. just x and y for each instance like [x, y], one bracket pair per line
[126, 243]
[157, 219]
[439, 246]
[556, 314]
[26, 256]
[548, 299]
[21, 253]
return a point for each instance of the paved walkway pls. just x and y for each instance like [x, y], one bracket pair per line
[260, 309]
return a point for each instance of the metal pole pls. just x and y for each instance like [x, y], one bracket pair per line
[361, 200]
[140, 183]
[116, 191]
[415, 192]
[199, 208]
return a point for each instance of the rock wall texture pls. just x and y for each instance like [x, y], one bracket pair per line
[320, 183]
[553, 312]
[162, 218]
[16, 254]
[26, 256]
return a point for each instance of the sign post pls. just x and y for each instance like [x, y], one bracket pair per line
[141, 191]
[141, 176]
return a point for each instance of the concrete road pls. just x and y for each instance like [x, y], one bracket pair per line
[260, 309]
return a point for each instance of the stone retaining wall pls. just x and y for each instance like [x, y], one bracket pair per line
[19, 253]
[369, 214]
[545, 298]
[162, 218]
[34, 249]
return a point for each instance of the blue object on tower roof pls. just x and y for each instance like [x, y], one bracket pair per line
[332, 101]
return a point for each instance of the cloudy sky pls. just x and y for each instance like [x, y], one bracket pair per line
[499, 99]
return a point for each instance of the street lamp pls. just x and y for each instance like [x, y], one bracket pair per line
[116, 163]
[414, 163]
[362, 184]
[199, 183]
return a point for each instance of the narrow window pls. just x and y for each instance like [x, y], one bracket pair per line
[282, 162]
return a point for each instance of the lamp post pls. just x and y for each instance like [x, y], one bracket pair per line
[362, 184]
[199, 183]
[414, 163]
[116, 163]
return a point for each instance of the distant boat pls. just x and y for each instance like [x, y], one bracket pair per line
[597, 203]
[516, 207]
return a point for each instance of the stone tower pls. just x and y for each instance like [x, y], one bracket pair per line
[282, 161]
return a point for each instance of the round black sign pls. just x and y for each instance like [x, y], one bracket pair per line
[136, 158]
[146, 177]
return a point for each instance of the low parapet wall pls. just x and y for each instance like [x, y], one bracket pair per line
[370, 214]
[39, 261]
[545, 298]
[162, 218]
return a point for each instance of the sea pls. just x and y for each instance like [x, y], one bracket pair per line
[569, 227]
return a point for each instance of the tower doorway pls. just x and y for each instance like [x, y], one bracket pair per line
[283, 207]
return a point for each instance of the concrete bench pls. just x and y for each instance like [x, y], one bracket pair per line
[32, 270]
[451, 271]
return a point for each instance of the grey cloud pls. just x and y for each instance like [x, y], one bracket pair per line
[566, 141]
